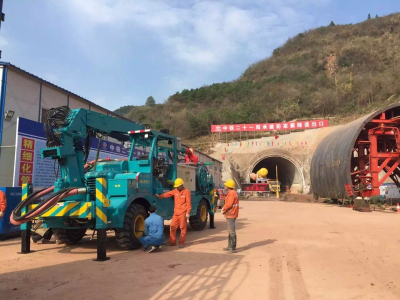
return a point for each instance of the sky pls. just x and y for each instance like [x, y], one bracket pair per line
[119, 52]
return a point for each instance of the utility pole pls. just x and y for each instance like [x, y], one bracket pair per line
[2, 16]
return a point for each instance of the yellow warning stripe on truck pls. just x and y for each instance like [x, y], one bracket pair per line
[80, 210]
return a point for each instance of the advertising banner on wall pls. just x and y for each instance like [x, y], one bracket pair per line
[298, 125]
[31, 168]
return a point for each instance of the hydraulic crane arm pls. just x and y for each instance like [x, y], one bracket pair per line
[66, 132]
[80, 120]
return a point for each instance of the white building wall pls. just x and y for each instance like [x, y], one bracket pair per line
[52, 98]
[99, 110]
[22, 97]
[75, 103]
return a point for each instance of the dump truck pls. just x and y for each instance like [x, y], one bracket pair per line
[109, 194]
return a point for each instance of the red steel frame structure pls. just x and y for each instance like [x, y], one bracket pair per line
[376, 151]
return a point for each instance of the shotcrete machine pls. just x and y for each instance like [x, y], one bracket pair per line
[109, 194]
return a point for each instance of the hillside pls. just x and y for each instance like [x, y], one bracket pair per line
[342, 71]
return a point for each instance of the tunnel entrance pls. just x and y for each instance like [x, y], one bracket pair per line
[288, 173]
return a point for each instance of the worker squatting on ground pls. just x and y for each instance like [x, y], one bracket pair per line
[3, 204]
[231, 212]
[153, 231]
[191, 157]
[182, 208]
[40, 234]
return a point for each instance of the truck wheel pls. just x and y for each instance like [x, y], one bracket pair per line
[128, 236]
[69, 236]
[199, 221]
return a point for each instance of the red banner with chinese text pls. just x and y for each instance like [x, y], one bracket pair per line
[297, 125]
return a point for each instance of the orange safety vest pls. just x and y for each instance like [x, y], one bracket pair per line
[231, 206]
[183, 202]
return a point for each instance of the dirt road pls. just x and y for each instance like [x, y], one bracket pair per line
[287, 251]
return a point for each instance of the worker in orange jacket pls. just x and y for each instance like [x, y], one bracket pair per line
[3, 204]
[231, 212]
[190, 157]
[182, 208]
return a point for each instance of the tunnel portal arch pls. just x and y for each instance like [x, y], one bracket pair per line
[290, 172]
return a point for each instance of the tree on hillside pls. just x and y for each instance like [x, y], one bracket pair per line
[332, 24]
[150, 101]
[369, 16]
[376, 17]
[311, 76]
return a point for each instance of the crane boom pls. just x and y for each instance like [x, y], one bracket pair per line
[66, 131]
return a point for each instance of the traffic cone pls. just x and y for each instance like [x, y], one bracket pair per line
[398, 207]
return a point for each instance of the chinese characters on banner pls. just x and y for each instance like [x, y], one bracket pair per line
[270, 126]
[26, 161]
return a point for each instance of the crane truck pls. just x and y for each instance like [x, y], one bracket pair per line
[109, 194]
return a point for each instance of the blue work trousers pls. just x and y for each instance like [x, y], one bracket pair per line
[149, 240]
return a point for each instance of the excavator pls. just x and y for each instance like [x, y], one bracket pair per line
[109, 194]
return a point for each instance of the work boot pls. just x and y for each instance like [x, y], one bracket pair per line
[234, 237]
[233, 249]
[229, 244]
[151, 249]
[168, 244]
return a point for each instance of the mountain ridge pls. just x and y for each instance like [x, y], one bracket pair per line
[337, 71]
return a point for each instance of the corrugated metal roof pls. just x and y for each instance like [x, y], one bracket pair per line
[7, 64]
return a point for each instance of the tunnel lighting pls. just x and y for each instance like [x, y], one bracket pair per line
[9, 114]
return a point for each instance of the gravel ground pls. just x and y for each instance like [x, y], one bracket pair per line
[287, 250]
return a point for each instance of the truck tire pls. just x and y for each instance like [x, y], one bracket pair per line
[199, 221]
[128, 236]
[69, 236]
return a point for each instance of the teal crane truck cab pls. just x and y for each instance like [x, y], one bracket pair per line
[114, 194]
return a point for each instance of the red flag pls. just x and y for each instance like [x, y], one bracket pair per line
[276, 136]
